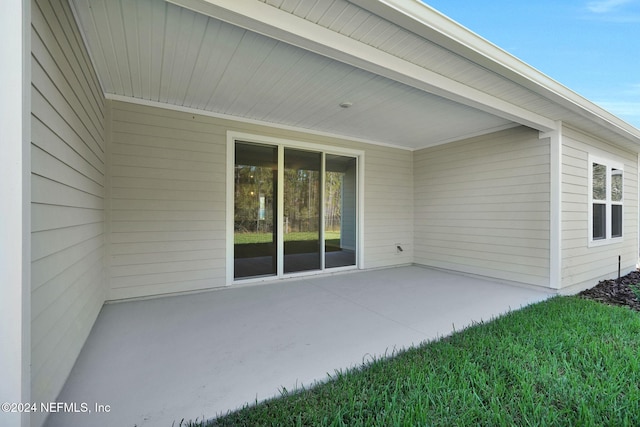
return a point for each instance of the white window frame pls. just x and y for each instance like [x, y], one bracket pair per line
[281, 143]
[610, 165]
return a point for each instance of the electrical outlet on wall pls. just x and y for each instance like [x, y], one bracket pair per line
[399, 248]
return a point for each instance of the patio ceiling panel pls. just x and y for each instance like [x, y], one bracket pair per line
[155, 51]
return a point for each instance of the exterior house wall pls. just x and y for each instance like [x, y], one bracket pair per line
[129, 201]
[584, 266]
[166, 218]
[482, 206]
[167, 214]
[388, 207]
[67, 202]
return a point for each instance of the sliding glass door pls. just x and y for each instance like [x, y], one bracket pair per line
[295, 210]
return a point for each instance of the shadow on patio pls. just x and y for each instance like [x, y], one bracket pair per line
[158, 361]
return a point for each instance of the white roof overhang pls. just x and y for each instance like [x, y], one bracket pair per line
[431, 81]
[288, 28]
[432, 25]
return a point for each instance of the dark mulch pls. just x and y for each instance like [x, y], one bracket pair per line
[617, 292]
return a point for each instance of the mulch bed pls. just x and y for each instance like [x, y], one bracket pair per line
[616, 292]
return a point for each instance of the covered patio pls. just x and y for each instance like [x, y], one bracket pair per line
[157, 361]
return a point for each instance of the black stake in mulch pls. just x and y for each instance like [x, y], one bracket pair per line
[618, 268]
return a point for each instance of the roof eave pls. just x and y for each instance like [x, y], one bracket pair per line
[423, 20]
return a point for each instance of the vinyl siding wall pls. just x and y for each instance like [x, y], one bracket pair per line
[482, 206]
[584, 266]
[388, 207]
[67, 185]
[166, 218]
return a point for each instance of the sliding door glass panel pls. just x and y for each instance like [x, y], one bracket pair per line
[340, 211]
[256, 176]
[301, 210]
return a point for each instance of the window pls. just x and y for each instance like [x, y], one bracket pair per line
[606, 201]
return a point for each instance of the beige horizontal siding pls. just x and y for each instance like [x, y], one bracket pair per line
[167, 199]
[584, 266]
[388, 207]
[67, 198]
[482, 206]
[167, 202]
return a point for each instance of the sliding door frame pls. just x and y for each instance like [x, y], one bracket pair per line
[281, 143]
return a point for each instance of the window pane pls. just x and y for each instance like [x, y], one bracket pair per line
[256, 172]
[301, 210]
[599, 182]
[616, 221]
[599, 221]
[340, 211]
[616, 185]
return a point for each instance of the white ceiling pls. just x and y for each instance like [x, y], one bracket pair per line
[155, 51]
[237, 59]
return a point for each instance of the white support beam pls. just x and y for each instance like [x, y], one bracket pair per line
[555, 214]
[15, 341]
[274, 23]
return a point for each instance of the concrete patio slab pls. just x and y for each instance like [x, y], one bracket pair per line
[157, 361]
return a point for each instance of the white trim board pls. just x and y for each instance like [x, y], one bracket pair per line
[15, 193]
[555, 214]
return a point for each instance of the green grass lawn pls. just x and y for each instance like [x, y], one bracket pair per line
[249, 238]
[563, 362]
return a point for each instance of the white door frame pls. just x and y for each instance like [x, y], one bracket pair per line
[232, 137]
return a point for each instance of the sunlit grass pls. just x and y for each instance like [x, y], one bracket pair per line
[563, 362]
[250, 238]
